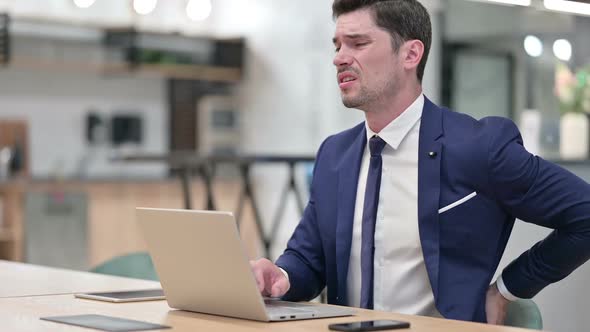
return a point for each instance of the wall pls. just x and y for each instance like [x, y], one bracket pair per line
[55, 104]
[289, 97]
[289, 79]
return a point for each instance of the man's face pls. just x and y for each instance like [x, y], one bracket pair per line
[368, 68]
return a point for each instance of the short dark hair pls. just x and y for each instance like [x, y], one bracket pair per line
[403, 19]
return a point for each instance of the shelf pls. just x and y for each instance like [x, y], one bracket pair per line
[178, 56]
[218, 74]
[70, 66]
[60, 47]
[191, 72]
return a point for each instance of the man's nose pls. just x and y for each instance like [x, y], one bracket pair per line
[341, 59]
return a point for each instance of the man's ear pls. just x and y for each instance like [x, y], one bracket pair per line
[412, 55]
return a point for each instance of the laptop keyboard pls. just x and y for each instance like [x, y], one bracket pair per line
[273, 306]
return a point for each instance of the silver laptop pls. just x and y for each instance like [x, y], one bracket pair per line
[202, 266]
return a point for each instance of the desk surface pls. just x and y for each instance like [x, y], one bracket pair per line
[20, 279]
[192, 159]
[23, 313]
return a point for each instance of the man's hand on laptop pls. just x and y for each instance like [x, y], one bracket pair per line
[270, 278]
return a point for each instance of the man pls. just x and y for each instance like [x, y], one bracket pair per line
[411, 210]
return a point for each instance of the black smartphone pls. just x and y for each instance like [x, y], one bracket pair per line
[370, 325]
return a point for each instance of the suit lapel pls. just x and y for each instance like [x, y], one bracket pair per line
[348, 175]
[429, 159]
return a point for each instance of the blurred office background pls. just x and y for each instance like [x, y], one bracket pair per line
[86, 83]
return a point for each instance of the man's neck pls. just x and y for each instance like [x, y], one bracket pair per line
[380, 116]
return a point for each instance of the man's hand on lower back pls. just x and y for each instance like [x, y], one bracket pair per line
[496, 306]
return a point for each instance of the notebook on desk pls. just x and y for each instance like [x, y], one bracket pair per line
[203, 267]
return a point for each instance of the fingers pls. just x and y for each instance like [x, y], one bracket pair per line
[259, 276]
[269, 278]
[280, 286]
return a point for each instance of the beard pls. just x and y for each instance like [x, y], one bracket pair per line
[367, 97]
[364, 97]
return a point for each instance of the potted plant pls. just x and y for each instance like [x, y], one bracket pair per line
[573, 93]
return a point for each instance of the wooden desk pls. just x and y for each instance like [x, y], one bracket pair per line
[20, 279]
[19, 312]
[22, 314]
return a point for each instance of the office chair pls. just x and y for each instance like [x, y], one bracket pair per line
[135, 265]
[524, 313]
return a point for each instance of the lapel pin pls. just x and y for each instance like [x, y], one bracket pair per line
[432, 154]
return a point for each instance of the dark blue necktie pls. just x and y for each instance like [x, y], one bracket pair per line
[376, 145]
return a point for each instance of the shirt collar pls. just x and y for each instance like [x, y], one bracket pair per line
[395, 132]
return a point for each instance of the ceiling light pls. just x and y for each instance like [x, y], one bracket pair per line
[533, 46]
[198, 10]
[83, 3]
[144, 7]
[574, 7]
[562, 49]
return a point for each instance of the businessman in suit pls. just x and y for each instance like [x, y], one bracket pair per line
[411, 210]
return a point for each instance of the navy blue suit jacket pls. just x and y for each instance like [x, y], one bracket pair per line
[462, 246]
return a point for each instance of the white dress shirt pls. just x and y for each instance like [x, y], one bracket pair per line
[400, 279]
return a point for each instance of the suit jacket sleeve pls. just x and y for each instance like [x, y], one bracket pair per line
[303, 260]
[539, 192]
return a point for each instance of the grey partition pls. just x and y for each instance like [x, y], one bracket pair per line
[56, 229]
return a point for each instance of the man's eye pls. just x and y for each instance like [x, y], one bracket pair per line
[361, 44]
